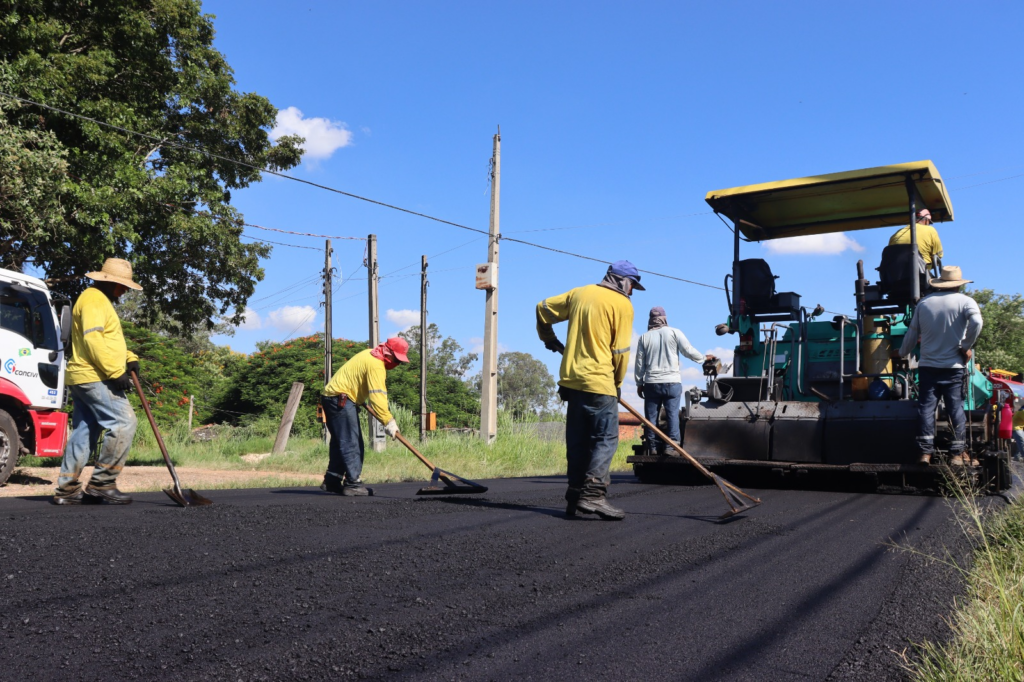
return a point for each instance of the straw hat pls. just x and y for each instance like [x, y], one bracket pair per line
[951, 278]
[115, 270]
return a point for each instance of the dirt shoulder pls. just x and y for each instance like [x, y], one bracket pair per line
[42, 480]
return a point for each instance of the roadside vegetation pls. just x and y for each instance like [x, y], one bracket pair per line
[524, 447]
[988, 625]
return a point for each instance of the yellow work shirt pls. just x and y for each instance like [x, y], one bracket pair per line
[97, 342]
[362, 379]
[928, 242]
[596, 355]
[1018, 419]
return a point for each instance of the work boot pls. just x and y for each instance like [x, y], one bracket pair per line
[600, 506]
[356, 489]
[926, 458]
[332, 484]
[108, 494]
[75, 496]
[956, 461]
[572, 498]
[973, 459]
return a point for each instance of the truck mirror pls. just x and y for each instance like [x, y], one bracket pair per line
[65, 325]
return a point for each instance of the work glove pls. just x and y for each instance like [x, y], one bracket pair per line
[640, 391]
[133, 366]
[555, 346]
[391, 428]
[121, 383]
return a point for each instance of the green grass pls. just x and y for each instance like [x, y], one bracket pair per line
[988, 627]
[513, 454]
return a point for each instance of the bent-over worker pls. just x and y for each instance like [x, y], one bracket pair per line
[98, 375]
[928, 243]
[947, 323]
[595, 360]
[361, 380]
[657, 376]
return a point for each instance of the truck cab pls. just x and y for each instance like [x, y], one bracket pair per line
[34, 333]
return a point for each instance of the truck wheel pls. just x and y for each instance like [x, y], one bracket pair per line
[10, 446]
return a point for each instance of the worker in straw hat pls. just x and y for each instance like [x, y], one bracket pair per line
[98, 377]
[947, 323]
[361, 380]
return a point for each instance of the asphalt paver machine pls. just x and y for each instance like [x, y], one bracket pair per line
[815, 397]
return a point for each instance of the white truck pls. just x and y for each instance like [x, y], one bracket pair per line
[35, 331]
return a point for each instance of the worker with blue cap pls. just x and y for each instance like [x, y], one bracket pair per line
[595, 359]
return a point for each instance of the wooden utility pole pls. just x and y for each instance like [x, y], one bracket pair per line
[328, 332]
[376, 428]
[290, 408]
[191, 408]
[423, 349]
[489, 371]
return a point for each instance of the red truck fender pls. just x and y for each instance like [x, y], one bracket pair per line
[49, 427]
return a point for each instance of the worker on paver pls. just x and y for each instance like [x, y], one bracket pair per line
[595, 360]
[98, 375]
[928, 243]
[947, 323]
[360, 380]
[656, 371]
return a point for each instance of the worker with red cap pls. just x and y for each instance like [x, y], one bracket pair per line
[361, 380]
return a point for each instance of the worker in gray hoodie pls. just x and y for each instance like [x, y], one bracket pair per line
[946, 323]
[658, 380]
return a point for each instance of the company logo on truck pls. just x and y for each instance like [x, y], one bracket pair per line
[13, 369]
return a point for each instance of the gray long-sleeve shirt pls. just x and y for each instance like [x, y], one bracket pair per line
[657, 356]
[945, 322]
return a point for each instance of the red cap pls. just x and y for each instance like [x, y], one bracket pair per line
[400, 348]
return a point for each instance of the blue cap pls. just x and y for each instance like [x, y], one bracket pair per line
[623, 268]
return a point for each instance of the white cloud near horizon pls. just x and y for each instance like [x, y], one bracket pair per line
[820, 244]
[403, 319]
[476, 345]
[297, 319]
[323, 136]
[251, 320]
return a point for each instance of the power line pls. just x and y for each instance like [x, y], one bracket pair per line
[957, 189]
[614, 224]
[302, 234]
[267, 241]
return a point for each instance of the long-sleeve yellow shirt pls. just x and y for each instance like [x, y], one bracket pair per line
[596, 356]
[97, 342]
[362, 379]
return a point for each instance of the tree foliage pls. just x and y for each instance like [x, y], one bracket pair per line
[524, 385]
[148, 66]
[444, 356]
[1001, 344]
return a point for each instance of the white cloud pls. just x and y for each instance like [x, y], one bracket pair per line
[323, 136]
[403, 319]
[251, 320]
[822, 244]
[296, 319]
[476, 345]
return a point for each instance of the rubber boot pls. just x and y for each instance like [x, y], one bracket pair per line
[572, 498]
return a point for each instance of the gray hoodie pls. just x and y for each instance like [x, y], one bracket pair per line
[657, 356]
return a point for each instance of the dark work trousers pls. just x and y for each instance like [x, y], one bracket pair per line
[346, 439]
[655, 397]
[946, 382]
[591, 438]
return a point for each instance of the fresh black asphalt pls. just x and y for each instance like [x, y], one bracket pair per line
[298, 584]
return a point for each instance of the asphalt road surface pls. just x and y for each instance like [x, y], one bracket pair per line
[299, 584]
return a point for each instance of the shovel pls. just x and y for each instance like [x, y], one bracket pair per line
[737, 500]
[186, 497]
[453, 485]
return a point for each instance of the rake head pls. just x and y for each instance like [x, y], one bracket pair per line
[737, 500]
[186, 497]
[453, 485]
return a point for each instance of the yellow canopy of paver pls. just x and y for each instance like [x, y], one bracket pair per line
[837, 202]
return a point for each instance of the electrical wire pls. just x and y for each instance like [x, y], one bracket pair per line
[302, 234]
[294, 246]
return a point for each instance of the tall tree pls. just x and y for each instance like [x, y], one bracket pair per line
[444, 356]
[147, 66]
[524, 384]
[1001, 344]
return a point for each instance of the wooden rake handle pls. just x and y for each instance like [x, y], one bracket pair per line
[401, 439]
[675, 446]
[156, 431]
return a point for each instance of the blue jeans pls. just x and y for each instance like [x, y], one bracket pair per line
[103, 422]
[1018, 440]
[346, 450]
[655, 397]
[591, 438]
[933, 382]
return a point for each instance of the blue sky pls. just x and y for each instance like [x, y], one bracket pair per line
[616, 119]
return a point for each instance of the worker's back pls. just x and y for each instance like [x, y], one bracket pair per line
[928, 242]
